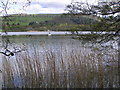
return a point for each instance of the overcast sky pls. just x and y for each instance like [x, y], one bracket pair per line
[41, 6]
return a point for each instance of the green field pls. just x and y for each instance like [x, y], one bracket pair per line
[26, 19]
[20, 22]
[41, 22]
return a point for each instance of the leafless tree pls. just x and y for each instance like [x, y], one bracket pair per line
[5, 6]
[108, 14]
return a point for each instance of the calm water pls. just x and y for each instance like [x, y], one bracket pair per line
[62, 44]
[51, 33]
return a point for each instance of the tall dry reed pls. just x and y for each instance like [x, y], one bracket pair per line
[58, 69]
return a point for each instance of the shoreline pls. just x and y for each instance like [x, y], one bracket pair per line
[49, 33]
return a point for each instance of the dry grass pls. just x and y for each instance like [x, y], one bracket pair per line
[62, 69]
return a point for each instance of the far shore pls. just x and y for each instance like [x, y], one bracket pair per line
[49, 33]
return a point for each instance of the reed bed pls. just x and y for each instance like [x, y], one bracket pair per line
[64, 68]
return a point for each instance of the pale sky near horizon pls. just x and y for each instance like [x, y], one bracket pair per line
[42, 6]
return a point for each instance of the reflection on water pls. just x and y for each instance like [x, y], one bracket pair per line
[60, 61]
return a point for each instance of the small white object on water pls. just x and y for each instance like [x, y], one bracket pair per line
[49, 34]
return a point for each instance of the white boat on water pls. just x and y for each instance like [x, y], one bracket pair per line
[49, 33]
